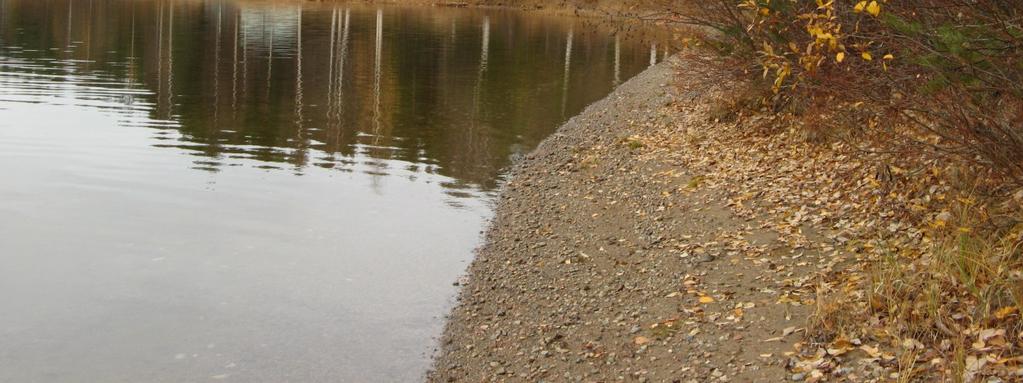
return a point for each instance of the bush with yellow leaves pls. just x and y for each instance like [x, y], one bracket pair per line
[949, 69]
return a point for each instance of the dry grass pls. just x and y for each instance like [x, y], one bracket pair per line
[944, 302]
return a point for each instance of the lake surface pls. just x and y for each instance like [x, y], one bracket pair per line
[261, 191]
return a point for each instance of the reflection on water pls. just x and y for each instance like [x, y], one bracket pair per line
[296, 87]
[261, 190]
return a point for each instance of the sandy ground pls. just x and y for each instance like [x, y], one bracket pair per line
[608, 262]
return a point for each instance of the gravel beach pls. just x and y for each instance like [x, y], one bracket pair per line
[608, 262]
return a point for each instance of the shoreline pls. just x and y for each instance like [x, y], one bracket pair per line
[460, 328]
[601, 264]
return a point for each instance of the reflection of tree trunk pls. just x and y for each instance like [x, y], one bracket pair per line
[653, 54]
[245, 58]
[131, 54]
[130, 78]
[339, 97]
[330, 63]
[484, 53]
[216, 68]
[302, 149]
[269, 52]
[568, 65]
[212, 143]
[471, 143]
[342, 56]
[69, 3]
[618, 60]
[170, 61]
[298, 74]
[339, 25]
[165, 57]
[159, 57]
[234, 69]
[375, 175]
[88, 38]
[376, 73]
[3, 13]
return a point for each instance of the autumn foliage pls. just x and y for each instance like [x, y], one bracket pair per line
[931, 92]
[950, 68]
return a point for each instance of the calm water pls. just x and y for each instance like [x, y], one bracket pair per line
[260, 191]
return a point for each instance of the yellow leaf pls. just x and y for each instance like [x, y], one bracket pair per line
[888, 57]
[859, 6]
[706, 299]
[840, 56]
[866, 56]
[1004, 312]
[874, 8]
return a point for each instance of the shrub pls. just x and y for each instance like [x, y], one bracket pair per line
[950, 69]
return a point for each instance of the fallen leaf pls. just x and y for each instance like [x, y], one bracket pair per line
[990, 333]
[1005, 312]
[859, 6]
[874, 8]
[973, 366]
[839, 346]
[874, 352]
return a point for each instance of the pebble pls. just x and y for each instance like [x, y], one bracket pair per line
[563, 316]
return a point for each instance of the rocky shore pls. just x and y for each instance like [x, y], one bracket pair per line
[608, 261]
